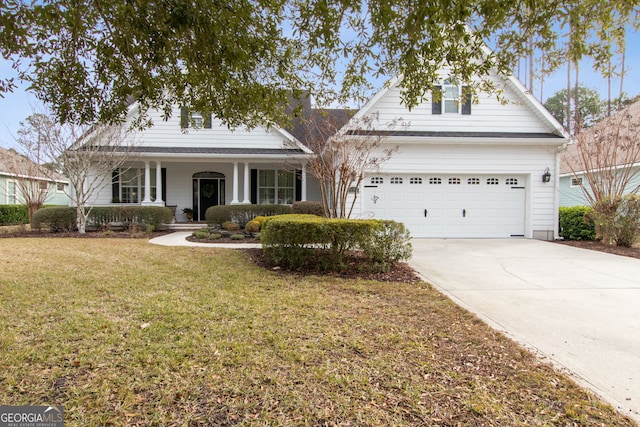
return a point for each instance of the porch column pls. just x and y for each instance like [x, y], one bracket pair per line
[159, 200]
[147, 183]
[235, 184]
[246, 183]
[303, 183]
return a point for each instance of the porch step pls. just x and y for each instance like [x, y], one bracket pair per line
[186, 226]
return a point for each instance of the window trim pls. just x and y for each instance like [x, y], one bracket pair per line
[276, 186]
[576, 182]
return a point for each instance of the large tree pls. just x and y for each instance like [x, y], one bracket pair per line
[239, 59]
[590, 108]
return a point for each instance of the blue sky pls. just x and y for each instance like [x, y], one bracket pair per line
[17, 106]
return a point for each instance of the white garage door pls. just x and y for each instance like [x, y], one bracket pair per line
[449, 205]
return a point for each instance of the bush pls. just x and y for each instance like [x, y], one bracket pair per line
[201, 234]
[237, 237]
[215, 236]
[252, 227]
[14, 214]
[230, 226]
[577, 223]
[627, 222]
[242, 214]
[307, 208]
[301, 241]
[55, 218]
[130, 216]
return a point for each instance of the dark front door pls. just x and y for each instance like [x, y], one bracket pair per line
[208, 190]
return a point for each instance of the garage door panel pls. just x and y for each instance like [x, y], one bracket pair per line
[450, 206]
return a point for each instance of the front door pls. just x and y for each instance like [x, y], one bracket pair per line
[208, 190]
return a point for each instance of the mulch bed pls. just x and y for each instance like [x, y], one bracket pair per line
[599, 246]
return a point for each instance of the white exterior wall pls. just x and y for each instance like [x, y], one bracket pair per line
[169, 134]
[488, 115]
[446, 159]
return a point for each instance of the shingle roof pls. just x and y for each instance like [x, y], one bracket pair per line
[444, 134]
[22, 165]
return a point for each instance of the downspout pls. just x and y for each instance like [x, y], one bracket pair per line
[556, 193]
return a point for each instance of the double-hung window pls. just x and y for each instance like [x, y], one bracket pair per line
[276, 187]
[451, 98]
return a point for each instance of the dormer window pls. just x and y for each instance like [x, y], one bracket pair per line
[194, 119]
[455, 99]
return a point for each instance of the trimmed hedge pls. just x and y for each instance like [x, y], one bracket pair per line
[55, 218]
[128, 216]
[311, 208]
[64, 218]
[301, 241]
[242, 214]
[14, 214]
[577, 223]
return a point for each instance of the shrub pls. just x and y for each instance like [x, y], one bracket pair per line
[215, 236]
[237, 237]
[242, 214]
[577, 223]
[201, 234]
[310, 208]
[55, 218]
[626, 228]
[13, 214]
[131, 217]
[252, 227]
[230, 226]
[300, 241]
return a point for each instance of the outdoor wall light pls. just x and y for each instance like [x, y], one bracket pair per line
[546, 176]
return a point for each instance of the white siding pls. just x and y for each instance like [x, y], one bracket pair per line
[489, 115]
[169, 134]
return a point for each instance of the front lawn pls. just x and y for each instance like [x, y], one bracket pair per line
[125, 333]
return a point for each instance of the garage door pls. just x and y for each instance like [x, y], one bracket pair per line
[449, 205]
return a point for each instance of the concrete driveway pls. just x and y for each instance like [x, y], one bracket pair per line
[579, 308]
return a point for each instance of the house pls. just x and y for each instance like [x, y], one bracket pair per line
[613, 157]
[208, 164]
[15, 168]
[468, 170]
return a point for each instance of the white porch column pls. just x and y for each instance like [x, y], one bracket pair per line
[159, 200]
[235, 184]
[303, 183]
[246, 183]
[147, 183]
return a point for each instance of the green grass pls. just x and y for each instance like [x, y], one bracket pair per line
[122, 332]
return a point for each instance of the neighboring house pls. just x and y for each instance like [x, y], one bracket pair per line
[462, 169]
[468, 170]
[12, 171]
[571, 184]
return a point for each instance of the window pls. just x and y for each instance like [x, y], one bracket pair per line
[415, 180]
[396, 180]
[435, 180]
[377, 180]
[60, 187]
[576, 182]
[511, 181]
[11, 193]
[43, 185]
[194, 119]
[452, 98]
[128, 185]
[473, 181]
[493, 181]
[454, 181]
[276, 187]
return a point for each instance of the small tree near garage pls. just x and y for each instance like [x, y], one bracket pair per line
[606, 160]
[345, 154]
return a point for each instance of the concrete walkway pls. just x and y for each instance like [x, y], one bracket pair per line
[179, 238]
[579, 308]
